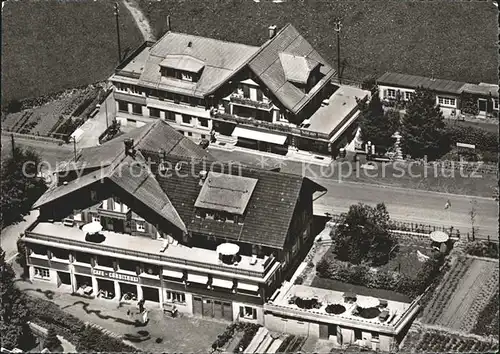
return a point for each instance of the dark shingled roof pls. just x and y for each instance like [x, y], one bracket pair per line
[268, 212]
[269, 68]
[412, 81]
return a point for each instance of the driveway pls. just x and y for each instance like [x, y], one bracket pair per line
[10, 235]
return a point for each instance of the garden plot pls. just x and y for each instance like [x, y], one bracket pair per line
[464, 293]
[433, 341]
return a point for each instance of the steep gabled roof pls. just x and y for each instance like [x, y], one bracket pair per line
[268, 212]
[121, 169]
[268, 67]
[220, 61]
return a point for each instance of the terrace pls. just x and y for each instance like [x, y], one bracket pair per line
[126, 246]
[336, 307]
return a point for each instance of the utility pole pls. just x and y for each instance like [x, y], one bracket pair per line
[118, 32]
[337, 26]
[106, 107]
[13, 145]
[74, 146]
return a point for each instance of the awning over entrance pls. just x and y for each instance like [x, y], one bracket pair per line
[248, 287]
[200, 279]
[268, 137]
[172, 273]
[221, 283]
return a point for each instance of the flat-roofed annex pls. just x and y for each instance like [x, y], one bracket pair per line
[227, 193]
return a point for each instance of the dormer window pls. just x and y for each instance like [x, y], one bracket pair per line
[182, 67]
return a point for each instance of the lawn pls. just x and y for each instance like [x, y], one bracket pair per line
[447, 39]
[49, 46]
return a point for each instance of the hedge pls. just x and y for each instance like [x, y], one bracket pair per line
[387, 280]
[482, 249]
[484, 140]
[47, 314]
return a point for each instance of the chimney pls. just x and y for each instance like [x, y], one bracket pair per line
[168, 23]
[129, 147]
[203, 176]
[272, 31]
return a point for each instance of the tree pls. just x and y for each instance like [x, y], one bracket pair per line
[52, 342]
[376, 125]
[21, 255]
[14, 313]
[423, 128]
[363, 236]
[20, 189]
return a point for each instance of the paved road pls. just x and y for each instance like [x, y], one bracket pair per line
[49, 152]
[411, 205]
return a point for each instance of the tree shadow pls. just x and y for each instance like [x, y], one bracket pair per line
[98, 313]
[49, 294]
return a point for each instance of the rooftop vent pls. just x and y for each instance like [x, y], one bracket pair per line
[203, 176]
[129, 147]
[190, 44]
[325, 102]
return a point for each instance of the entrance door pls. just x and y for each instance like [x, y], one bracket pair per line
[323, 331]
[482, 105]
[208, 308]
[227, 311]
[197, 306]
[218, 309]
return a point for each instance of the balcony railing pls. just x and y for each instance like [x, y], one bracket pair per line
[127, 74]
[270, 126]
[155, 257]
[251, 103]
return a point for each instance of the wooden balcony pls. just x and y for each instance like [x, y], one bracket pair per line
[247, 102]
[271, 126]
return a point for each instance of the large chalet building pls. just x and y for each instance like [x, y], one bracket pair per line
[214, 239]
[275, 97]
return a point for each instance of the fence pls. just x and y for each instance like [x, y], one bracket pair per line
[33, 137]
[406, 229]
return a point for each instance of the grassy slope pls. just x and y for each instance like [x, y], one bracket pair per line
[48, 46]
[450, 39]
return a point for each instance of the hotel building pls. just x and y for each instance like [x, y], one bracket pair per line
[278, 97]
[166, 208]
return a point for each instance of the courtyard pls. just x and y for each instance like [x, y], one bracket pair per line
[161, 333]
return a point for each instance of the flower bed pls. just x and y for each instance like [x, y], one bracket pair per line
[248, 329]
[335, 309]
[482, 249]
[305, 303]
[487, 323]
[368, 313]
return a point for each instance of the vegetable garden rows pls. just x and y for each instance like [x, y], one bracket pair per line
[460, 300]
[440, 342]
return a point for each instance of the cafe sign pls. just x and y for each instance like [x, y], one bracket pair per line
[113, 275]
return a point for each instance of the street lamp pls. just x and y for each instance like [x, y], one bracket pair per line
[337, 26]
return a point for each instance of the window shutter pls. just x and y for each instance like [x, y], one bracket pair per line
[385, 93]
[242, 311]
[254, 314]
[115, 266]
[259, 95]
[246, 91]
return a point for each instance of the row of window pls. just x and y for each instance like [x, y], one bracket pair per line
[42, 273]
[162, 95]
[443, 101]
[219, 216]
[391, 93]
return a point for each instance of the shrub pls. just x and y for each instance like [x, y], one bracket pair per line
[299, 280]
[482, 249]
[93, 340]
[52, 341]
[14, 106]
[310, 264]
